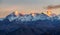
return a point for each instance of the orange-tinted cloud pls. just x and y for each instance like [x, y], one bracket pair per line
[53, 7]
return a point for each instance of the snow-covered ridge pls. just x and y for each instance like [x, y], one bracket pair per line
[29, 17]
[1, 19]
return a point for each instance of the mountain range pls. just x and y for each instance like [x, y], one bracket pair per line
[39, 24]
[29, 17]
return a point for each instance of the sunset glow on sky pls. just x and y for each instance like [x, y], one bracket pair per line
[27, 6]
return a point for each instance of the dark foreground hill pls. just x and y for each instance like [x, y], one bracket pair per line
[39, 27]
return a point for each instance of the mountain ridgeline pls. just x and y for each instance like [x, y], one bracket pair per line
[39, 24]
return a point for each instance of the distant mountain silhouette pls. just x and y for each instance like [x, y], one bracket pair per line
[40, 24]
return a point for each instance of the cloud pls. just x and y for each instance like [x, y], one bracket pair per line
[53, 7]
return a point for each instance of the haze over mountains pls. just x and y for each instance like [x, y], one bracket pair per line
[31, 16]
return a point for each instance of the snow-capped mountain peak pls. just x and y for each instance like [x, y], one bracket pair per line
[26, 17]
[16, 16]
[12, 16]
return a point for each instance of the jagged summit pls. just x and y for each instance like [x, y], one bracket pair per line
[16, 13]
[26, 17]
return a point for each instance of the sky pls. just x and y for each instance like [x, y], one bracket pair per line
[7, 6]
